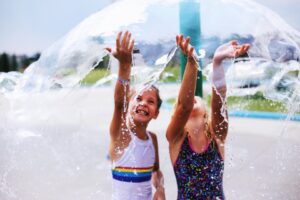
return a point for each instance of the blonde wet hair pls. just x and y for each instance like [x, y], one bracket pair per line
[207, 124]
[207, 118]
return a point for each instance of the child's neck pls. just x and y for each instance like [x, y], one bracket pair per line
[139, 130]
[198, 139]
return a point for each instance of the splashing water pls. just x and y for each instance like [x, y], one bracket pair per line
[54, 133]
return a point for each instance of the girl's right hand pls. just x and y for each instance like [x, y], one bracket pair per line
[185, 46]
[124, 47]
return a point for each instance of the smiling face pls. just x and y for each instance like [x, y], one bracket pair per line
[144, 106]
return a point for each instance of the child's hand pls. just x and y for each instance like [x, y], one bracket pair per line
[159, 194]
[230, 50]
[185, 46]
[124, 47]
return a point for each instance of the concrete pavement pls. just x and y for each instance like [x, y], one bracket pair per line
[54, 147]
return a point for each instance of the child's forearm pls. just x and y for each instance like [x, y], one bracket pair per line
[228, 50]
[124, 71]
[123, 53]
[122, 88]
[218, 102]
[188, 85]
[218, 77]
[158, 180]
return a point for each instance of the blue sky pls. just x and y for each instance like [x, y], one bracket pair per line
[33, 25]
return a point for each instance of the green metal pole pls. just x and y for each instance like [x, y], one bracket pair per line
[189, 17]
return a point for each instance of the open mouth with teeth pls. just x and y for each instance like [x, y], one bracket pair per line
[142, 112]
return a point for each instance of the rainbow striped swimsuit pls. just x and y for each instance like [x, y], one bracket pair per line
[199, 176]
[132, 174]
[133, 171]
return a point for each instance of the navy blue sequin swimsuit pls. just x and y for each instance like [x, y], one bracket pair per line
[199, 175]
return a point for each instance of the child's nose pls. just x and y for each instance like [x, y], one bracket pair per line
[142, 103]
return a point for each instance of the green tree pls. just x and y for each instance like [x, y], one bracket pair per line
[4, 63]
[14, 63]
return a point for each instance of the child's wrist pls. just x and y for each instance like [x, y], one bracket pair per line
[192, 59]
[217, 62]
[123, 81]
[125, 64]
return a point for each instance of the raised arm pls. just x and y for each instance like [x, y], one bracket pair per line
[186, 95]
[219, 121]
[123, 53]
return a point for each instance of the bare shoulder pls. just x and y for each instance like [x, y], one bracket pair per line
[153, 136]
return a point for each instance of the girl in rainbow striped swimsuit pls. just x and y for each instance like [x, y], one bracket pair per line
[196, 142]
[133, 150]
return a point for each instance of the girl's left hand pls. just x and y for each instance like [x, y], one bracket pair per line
[159, 194]
[230, 50]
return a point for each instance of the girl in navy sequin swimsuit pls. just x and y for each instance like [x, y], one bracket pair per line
[196, 141]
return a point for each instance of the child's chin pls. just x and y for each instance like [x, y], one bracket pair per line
[142, 119]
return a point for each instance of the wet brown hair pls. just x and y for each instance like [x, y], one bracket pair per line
[152, 86]
[159, 101]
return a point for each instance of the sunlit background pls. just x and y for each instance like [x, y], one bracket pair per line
[30, 26]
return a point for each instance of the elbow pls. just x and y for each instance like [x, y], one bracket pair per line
[171, 136]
